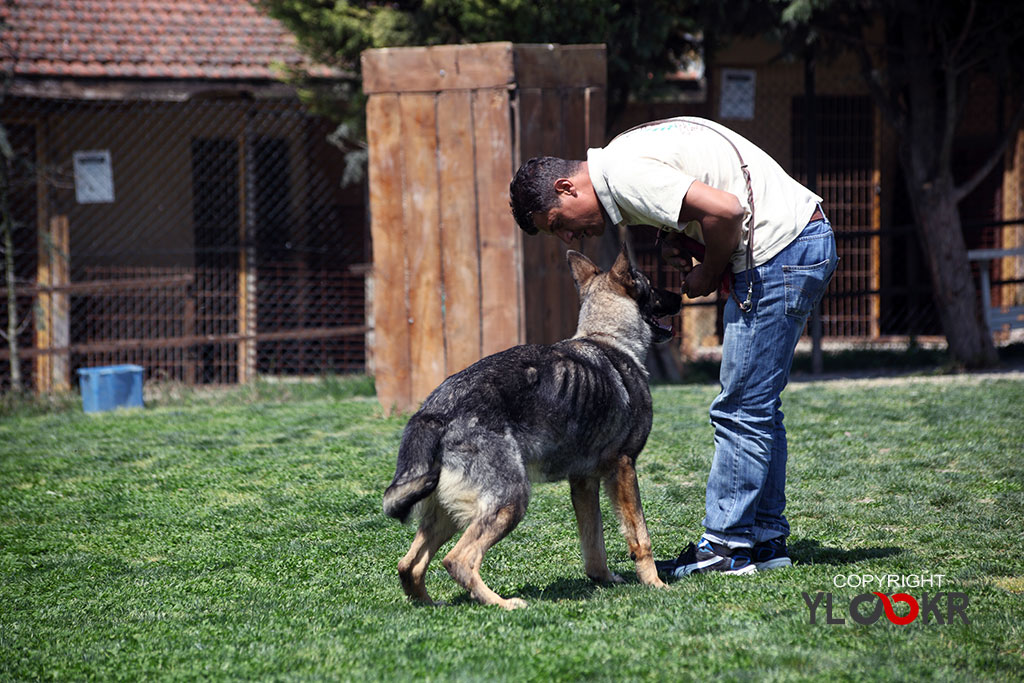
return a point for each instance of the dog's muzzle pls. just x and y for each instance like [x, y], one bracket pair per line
[663, 304]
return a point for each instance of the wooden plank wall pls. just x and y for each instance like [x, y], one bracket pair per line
[561, 122]
[560, 100]
[454, 278]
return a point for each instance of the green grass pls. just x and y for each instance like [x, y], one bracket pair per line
[240, 537]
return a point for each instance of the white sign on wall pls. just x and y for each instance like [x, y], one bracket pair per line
[738, 89]
[94, 177]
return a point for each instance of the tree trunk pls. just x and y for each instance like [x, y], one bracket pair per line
[956, 297]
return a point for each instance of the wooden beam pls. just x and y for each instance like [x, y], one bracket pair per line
[60, 274]
[437, 68]
[193, 340]
[483, 65]
[560, 66]
[390, 307]
[246, 259]
[44, 310]
[107, 286]
[423, 242]
[530, 110]
[500, 242]
[460, 241]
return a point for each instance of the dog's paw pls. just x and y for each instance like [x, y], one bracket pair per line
[513, 603]
[607, 577]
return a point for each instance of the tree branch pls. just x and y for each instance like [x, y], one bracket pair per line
[963, 34]
[968, 186]
[951, 119]
[889, 107]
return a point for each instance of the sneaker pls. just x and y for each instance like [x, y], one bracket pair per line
[709, 557]
[771, 554]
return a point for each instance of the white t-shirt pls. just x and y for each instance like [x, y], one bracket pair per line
[642, 176]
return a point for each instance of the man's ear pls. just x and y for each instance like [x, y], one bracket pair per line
[565, 186]
[583, 269]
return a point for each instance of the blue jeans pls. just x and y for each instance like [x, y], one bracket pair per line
[746, 491]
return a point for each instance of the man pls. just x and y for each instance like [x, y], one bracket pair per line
[709, 189]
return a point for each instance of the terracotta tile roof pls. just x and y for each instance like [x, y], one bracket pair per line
[180, 39]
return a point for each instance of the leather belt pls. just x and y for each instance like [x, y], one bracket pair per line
[816, 216]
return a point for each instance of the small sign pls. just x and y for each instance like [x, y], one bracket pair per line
[94, 178]
[738, 89]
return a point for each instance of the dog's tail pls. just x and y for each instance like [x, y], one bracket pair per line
[419, 466]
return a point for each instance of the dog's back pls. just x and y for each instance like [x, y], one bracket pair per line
[552, 412]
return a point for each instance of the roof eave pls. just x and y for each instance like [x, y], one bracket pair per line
[150, 89]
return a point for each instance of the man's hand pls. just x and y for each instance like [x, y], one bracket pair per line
[700, 281]
[675, 253]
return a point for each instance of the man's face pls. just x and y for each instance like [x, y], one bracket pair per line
[577, 215]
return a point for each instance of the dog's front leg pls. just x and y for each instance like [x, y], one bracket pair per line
[624, 492]
[588, 519]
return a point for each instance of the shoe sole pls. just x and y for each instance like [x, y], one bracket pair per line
[777, 563]
[686, 571]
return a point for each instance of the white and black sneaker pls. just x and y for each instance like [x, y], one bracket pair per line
[771, 554]
[709, 557]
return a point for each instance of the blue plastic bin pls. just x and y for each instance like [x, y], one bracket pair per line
[110, 387]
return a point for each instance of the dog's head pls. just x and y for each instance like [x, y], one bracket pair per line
[622, 282]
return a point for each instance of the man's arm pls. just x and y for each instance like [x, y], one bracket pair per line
[720, 215]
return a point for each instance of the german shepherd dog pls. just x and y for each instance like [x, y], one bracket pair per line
[579, 409]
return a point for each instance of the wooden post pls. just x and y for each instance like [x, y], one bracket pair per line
[454, 279]
[189, 364]
[60, 321]
[390, 309]
[422, 242]
[246, 259]
[876, 226]
[459, 239]
[1012, 268]
[44, 312]
[53, 327]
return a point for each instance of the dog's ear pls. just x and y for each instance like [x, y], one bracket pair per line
[583, 269]
[622, 269]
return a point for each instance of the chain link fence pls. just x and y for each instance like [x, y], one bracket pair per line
[211, 240]
[208, 240]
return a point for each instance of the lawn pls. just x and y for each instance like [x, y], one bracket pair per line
[240, 536]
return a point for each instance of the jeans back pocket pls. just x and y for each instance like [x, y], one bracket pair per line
[805, 286]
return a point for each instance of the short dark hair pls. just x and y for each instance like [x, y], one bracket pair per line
[533, 188]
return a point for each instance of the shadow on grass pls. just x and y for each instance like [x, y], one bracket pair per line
[576, 588]
[812, 552]
[564, 589]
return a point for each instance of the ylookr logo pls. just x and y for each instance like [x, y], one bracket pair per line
[940, 608]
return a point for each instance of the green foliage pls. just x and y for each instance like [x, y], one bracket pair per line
[242, 539]
[644, 38]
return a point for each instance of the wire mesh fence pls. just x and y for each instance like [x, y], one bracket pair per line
[207, 240]
[211, 240]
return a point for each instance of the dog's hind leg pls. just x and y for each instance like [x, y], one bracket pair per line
[436, 527]
[587, 505]
[464, 560]
[624, 493]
